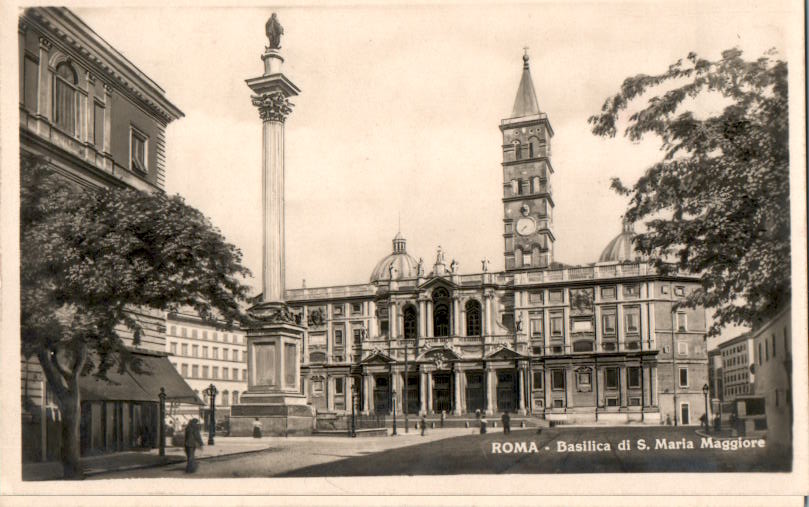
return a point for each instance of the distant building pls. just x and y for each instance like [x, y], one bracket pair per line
[601, 342]
[772, 343]
[737, 358]
[97, 120]
[715, 379]
[203, 355]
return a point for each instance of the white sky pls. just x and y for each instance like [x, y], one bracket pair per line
[399, 113]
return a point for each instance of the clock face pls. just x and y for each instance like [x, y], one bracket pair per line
[525, 226]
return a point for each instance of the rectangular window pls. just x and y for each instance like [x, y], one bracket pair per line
[679, 291]
[664, 289]
[244, 374]
[611, 378]
[184, 370]
[225, 372]
[216, 352]
[356, 308]
[138, 151]
[357, 336]
[633, 376]
[193, 333]
[556, 296]
[215, 336]
[766, 350]
[558, 403]
[204, 372]
[632, 320]
[583, 381]
[526, 259]
[681, 321]
[683, 376]
[534, 296]
[634, 402]
[631, 290]
[184, 332]
[225, 354]
[773, 346]
[339, 386]
[608, 292]
[557, 380]
[184, 348]
[195, 371]
[682, 348]
[536, 327]
[556, 326]
[98, 125]
[204, 334]
[608, 323]
[538, 380]
[174, 348]
[173, 331]
[337, 310]
[612, 402]
[205, 352]
[195, 350]
[215, 372]
[338, 336]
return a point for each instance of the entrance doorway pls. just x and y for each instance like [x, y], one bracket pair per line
[442, 392]
[381, 394]
[506, 391]
[685, 414]
[413, 401]
[474, 391]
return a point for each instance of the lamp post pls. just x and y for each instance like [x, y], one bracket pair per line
[404, 392]
[353, 407]
[394, 413]
[161, 433]
[705, 392]
[212, 392]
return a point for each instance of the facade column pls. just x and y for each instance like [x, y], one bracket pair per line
[372, 322]
[491, 389]
[456, 400]
[622, 379]
[422, 391]
[329, 393]
[429, 319]
[422, 318]
[349, 390]
[430, 408]
[456, 320]
[521, 391]
[366, 394]
[393, 320]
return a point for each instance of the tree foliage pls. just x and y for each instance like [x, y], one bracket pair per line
[89, 256]
[717, 204]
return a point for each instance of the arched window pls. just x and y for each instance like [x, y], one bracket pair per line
[234, 398]
[225, 398]
[410, 322]
[441, 312]
[517, 150]
[472, 318]
[65, 98]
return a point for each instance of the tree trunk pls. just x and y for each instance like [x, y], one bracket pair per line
[71, 438]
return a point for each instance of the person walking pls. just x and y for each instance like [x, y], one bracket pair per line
[256, 428]
[192, 440]
[423, 425]
[506, 422]
[483, 424]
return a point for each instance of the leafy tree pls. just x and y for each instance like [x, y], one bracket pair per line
[90, 254]
[717, 203]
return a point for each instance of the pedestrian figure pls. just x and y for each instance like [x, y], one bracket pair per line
[506, 422]
[423, 425]
[256, 428]
[192, 440]
[483, 424]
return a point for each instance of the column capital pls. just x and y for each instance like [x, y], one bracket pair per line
[45, 44]
[272, 106]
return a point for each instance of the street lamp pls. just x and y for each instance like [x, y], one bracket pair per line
[212, 392]
[394, 412]
[162, 426]
[705, 392]
[353, 407]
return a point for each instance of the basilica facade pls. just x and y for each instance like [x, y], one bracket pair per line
[602, 342]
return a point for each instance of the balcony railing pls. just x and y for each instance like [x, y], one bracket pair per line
[330, 292]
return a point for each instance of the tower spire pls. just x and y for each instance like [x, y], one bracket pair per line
[525, 104]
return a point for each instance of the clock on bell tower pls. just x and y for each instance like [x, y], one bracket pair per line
[527, 201]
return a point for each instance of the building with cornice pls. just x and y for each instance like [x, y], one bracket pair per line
[603, 342]
[96, 120]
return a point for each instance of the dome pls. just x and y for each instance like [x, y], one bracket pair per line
[404, 265]
[621, 249]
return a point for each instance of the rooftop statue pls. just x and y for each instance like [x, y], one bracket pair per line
[274, 31]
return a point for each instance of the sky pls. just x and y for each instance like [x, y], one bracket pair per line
[399, 114]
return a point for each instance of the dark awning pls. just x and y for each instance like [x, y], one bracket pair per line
[130, 386]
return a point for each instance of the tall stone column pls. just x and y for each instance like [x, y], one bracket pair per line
[274, 339]
[521, 380]
[423, 391]
[491, 390]
[456, 391]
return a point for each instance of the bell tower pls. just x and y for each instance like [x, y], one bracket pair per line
[527, 201]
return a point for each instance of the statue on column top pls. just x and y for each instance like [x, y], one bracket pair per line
[274, 31]
[453, 267]
[421, 267]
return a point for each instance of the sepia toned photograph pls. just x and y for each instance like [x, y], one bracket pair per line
[353, 242]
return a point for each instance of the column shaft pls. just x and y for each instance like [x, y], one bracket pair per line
[456, 402]
[273, 219]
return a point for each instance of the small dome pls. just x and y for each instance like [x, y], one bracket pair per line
[621, 249]
[404, 265]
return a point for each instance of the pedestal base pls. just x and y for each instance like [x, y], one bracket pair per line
[279, 415]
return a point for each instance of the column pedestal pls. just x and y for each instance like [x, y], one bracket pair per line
[273, 393]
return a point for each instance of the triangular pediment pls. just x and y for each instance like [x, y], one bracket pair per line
[377, 357]
[505, 353]
[437, 281]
